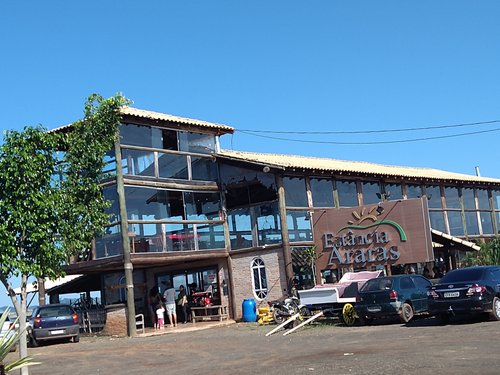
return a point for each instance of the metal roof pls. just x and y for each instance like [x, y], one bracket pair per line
[314, 164]
[157, 116]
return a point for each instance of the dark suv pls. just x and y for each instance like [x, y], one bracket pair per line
[466, 291]
[51, 322]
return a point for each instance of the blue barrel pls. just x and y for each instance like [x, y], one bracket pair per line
[249, 308]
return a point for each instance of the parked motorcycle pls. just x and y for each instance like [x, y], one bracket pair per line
[283, 309]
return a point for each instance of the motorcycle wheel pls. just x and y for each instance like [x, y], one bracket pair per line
[278, 316]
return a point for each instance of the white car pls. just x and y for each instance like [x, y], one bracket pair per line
[8, 329]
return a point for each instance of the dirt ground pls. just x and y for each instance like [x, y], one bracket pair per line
[423, 347]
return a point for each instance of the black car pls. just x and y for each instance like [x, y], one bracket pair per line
[400, 296]
[466, 291]
[51, 322]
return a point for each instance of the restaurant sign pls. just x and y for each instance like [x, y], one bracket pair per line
[395, 232]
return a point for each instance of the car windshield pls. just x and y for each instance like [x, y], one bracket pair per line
[464, 274]
[374, 285]
[51, 312]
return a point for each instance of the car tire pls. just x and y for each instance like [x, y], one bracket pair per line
[33, 342]
[406, 314]
[495, 308]
[76, 338]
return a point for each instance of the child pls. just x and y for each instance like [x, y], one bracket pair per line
[159, 316]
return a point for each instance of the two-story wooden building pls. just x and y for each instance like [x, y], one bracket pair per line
[241, 225]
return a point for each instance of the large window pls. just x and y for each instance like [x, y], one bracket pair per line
[299, 226]
[413, 191]
[370, 191]
[452, 198]
[434, 196]
[347, 193]
[393, 191]
[322, 192]
[295, 191]
[243, 187]
[254, 226]
[259, 280]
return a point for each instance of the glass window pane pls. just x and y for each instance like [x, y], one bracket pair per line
[322, 192]
[259, 278]
[486, 222]
[203, 169]
[155, 204]
[455, 223]
[482, 199]
[240, 228]
[210, 236]
[172, 166]
[496, 199]
[434, 195]
[370, 191]
[347, 193]
[138, 163]
[202, 206]
[394, 190]
[268, 224]
[451, 197]
[243, 186]
[109, 169]
[299, 226]
[197, 143]
[468, 198]
[437, 220]
[497, 218]
[110, 243]
[111, 195]
[471, 223]
[178, 237]
[295, 191]
[413, 191]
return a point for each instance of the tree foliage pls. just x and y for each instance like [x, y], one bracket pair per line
[488, 255]
[51, 205]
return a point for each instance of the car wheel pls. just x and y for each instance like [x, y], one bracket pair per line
[406, 313]
[76, 338]
[33, 342]
[495, 311]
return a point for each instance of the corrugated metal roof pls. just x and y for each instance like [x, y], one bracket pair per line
[455, 240]
[130, 111]
[157, 116]
[294, 162]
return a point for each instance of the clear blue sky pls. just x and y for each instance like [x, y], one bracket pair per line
[289, 65]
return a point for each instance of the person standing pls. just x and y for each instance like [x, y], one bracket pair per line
[182, 302]
[169, 296]
[154, 302]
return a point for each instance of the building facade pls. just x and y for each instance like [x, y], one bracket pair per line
[242, 225]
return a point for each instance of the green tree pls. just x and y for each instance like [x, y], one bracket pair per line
[51, 205]
[488, 255]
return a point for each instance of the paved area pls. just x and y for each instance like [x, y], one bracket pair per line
[423, 347]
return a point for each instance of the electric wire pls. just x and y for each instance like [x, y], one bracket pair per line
[371, 142]
[372, 131]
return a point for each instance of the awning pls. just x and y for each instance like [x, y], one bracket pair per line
[66, 284]
[452, 242]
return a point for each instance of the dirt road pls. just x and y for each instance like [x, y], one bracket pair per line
[423, 347]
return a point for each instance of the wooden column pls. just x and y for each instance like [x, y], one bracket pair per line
[287, 254]
[127, 264]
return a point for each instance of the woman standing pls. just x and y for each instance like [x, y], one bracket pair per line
[182, 302]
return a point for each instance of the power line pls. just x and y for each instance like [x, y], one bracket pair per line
[371, 131]
[369, 143]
